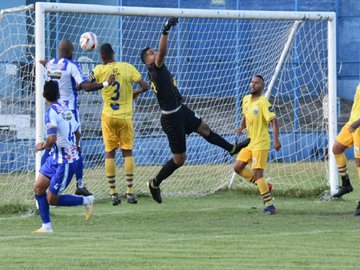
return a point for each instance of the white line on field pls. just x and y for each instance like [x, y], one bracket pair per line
[63, 237]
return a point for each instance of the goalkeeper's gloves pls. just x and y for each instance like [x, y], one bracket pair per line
[170, 23]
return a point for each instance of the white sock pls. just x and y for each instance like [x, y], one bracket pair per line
[47, 226]
[88, 200]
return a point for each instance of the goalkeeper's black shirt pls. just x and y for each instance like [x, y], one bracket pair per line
[164, 86]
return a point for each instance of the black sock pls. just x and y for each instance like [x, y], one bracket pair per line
[345, 180]
[168, 168]
[216, 139]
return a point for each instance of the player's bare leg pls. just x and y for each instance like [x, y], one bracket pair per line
[241, 168]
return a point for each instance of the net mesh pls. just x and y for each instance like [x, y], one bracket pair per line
[213, 61]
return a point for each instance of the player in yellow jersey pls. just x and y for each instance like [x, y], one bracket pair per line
[116, 117]
[257, 114]
[349, 136]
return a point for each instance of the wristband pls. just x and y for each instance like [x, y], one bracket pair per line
[105, 84]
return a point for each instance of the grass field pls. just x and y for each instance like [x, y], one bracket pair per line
[295, 179]
[221, 231]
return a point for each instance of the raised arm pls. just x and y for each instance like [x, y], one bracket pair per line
[163, 41]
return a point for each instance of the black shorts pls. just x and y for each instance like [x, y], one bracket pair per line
[176, 125]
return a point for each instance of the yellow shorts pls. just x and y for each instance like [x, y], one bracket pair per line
[257, 159]
[117, 133]
[349, 139]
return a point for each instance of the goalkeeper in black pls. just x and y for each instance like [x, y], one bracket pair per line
[177, 120]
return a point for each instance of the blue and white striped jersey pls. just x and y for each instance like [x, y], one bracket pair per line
[68, 74]
[60, 121]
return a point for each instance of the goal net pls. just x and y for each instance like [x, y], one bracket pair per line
[213, 55]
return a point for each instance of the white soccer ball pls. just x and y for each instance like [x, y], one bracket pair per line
[88, 41]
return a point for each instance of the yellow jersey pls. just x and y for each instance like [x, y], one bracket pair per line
[258, 113]
[355, 110]
[117, 98]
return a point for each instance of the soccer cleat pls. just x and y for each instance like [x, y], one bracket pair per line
[271, 210]
[357, 211]
[342, 191]
[131, 198]
[88, 207]
[42, 230]
[82, 191]
[115, 199]
[155, 192]
[239, 146]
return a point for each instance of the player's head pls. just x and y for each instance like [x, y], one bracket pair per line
[51, 91]
[106, 53]
[257, 85]
[148, 56]
[66, 49]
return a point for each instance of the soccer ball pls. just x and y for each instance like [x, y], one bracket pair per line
[88, 41]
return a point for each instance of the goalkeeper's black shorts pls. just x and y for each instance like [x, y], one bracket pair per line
[176, 125]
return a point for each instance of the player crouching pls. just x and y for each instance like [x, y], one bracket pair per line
[57, 172]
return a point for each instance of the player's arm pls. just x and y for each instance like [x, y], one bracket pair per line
[275, 127]
[242, 126]
[51, 139]
[143, 87]
[91, 85]
[354, 126]
[77, 138]
[163, 41]
[43, 62]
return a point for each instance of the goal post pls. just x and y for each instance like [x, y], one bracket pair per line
[332, 123]
[213, 54]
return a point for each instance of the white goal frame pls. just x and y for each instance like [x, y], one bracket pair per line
[330, 17]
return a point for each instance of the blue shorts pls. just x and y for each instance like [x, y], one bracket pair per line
[60, 174]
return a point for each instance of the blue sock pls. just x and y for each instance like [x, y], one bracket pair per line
[44, 210]
[70, 200]
[79, 172]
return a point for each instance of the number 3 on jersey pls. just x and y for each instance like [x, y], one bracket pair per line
[115, 106]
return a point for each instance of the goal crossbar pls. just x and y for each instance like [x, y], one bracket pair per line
[330, 17]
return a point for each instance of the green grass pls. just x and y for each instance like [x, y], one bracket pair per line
[221, 231]
[291, 179]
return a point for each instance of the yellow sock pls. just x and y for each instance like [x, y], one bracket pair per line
[129, 171]
[110, 174]
[264, 191]
[341, 163]
[247, 174]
